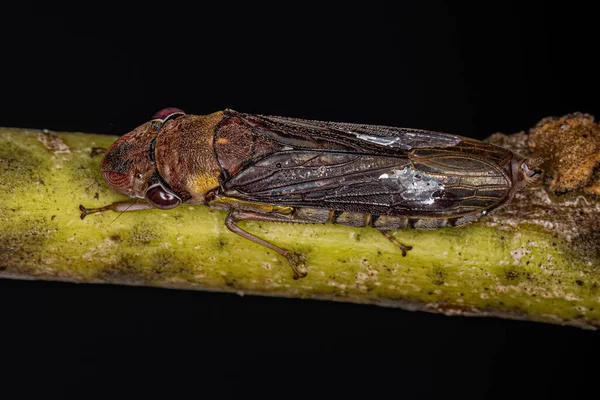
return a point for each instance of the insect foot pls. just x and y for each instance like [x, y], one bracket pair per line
[297, 262]
[404, 248]
[84, 211]
[97, 150]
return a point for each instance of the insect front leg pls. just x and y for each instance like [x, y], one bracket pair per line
[98, 150]
[119, 206]
[392, 239]
[295, 260]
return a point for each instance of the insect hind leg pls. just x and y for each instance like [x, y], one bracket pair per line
[295, 260]
[392, 239]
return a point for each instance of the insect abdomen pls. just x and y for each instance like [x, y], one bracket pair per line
[383, 222]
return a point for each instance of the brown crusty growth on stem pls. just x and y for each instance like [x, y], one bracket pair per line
[571, 144]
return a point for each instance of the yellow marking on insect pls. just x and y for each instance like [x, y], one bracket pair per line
[331, 215]
[251, 206]
[202, 183]
[222, 140]
[286, 210]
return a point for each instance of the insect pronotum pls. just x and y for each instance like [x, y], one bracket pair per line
[277, 169]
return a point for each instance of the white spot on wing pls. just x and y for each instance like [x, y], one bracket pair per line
[414, 185]
[383, 140]
[407, 139]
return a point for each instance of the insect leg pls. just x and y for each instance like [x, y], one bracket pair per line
[119, 206]
[392, 239]
[296, 260]
[97, 150]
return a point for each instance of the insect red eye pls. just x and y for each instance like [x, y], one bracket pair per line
[161, 198]
[167, 113]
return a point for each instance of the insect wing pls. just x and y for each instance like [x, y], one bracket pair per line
[376, 139]
[337, 181]
[371, 169]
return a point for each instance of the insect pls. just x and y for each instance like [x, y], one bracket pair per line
[277, 169]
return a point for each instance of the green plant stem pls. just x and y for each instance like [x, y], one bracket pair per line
[518, 262]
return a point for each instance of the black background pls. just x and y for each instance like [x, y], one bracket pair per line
[460, 67]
